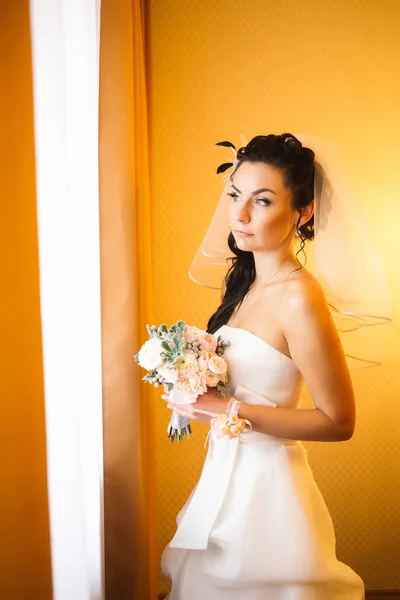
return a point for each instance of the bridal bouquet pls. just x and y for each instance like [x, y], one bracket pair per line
[186, 360]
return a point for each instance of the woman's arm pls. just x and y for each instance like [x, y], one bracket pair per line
[318, 354]
[316, 350]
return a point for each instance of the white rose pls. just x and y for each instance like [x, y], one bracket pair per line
[169, 373]
[177, 397]
[217, 364]
[150, 354]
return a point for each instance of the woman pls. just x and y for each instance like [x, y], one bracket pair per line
[256, 527]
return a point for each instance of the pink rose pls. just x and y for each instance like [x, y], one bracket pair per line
[189, 383]
[203, 360]
[209, 342]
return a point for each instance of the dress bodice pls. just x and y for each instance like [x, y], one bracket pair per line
[259, 373]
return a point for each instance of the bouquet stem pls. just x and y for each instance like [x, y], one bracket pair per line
[178, 427]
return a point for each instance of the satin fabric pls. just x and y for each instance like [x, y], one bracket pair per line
[256, 526]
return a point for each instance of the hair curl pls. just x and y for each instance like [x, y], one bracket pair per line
[296, 162]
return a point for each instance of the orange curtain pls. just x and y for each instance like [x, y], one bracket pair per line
[24, 522]
[126, 296]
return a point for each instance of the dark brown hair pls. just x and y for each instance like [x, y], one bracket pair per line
[296, 162]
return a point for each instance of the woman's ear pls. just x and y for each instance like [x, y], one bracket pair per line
[306, 213]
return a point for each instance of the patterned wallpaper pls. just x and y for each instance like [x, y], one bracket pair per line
[219, 69]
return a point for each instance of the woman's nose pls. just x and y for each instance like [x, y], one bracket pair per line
[243, 214]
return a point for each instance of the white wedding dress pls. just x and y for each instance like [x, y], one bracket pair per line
[256, 526]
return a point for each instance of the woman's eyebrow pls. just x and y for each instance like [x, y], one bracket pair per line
[255, 191]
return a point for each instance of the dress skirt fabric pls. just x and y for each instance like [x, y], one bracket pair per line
[256, 526]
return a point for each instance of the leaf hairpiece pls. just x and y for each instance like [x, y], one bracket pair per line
[225, 166]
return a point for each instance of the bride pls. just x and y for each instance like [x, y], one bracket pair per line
[256, 526]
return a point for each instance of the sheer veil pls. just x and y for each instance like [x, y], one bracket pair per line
[343, 257]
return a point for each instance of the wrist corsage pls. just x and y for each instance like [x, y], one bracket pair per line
[229, 425]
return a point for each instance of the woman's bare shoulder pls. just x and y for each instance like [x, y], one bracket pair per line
[302, 289]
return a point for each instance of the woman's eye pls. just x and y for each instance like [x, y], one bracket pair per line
[265, 200]
[233, 195]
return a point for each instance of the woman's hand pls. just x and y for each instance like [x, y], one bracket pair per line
[204, 409]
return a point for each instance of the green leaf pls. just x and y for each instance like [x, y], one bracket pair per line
[165, 346]
[163, 328]
[176, 341]
[181, 324]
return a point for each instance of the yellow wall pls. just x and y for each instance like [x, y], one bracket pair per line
[327, 68]
[24, 525]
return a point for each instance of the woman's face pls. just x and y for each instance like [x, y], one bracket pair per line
[260, 206]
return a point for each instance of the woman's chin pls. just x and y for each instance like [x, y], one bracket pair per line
[242, 238]
[243, 242]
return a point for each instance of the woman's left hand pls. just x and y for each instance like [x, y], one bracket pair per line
[204, 409]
